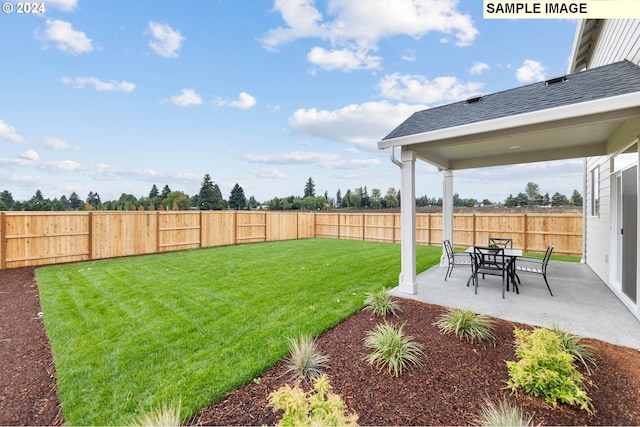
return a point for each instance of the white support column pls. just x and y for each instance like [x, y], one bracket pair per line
[407, 280]
[447, 211]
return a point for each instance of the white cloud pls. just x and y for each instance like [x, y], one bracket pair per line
[359, 124]
[358, 25]
[478, 68]
[186, 98]
[268, 173]
[63, 5]
[8, 133]
[165, 41]
[324, 160]
[67, 39]
[57, 144]
[343, 59]
[99, 85]
[29, 155]
[244, 102]
[531, 71]
[417, 88]
[409, 55]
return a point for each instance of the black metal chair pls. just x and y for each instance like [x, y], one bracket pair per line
[455, 259]
[493, 262]
[536, 266]
[500, 242]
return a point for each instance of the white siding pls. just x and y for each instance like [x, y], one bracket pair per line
[619, 39]
[597, 238]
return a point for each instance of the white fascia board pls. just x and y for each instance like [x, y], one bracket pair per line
[598, 106]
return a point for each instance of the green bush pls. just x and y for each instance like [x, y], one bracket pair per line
[391, 348]
[381, 303]
[583, 353]
[305, 361]
[546, 368]
[464, 323]
[324, 408]
[502, 414]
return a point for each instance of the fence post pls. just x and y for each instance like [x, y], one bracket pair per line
[201, 230]
[3, 241]
[363, 226]
[90, 237]
[473, 238]
[525, 226]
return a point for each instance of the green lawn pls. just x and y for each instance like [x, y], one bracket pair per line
[128, 334]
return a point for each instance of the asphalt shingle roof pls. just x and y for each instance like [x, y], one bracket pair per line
[596, 83]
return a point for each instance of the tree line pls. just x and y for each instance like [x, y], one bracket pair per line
[210, 198]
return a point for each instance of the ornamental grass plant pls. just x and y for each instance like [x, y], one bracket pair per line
[392, 349]
[464, 323]
[381, 303]
[502, 414]
[305, 362]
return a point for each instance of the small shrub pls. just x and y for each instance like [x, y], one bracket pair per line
[464, 323]
[381, 303]
[392, 349]
[324, 408]
[305, 361]
[162, 416]
[545, 368]
[502, 414]
[583, 353]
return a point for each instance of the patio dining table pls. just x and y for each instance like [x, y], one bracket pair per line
[508, 252]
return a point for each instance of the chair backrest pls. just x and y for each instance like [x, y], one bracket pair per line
[486, 256]
[448, 249]
[501, 242]
[546, 258]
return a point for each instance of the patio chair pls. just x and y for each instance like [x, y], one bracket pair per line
[500, 242]
[493, 262]
[536, 266]
[455, 259]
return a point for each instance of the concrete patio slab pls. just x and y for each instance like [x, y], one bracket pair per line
[581, 302]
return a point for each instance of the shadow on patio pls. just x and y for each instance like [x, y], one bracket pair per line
[582, 303]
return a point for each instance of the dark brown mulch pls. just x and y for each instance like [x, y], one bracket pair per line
[28, 391]
[456, 379]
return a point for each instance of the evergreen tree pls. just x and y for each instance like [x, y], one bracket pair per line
[576, 198]
[310, 188]
[338, 199]
[210, 197]
[7, 198]
[74, 201]
[165, 192]
[94, 199]
[237, 200]
[154, 192]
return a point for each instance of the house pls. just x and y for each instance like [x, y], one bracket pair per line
[592, 112]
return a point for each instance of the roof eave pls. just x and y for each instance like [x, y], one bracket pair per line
[572, 111]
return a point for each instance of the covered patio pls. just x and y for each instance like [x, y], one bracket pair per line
[581, 302]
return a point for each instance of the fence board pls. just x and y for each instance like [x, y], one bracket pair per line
[36, 238]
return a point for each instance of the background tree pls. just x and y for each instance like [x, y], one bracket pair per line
[165, 192]
[310, 188]
[7, 198]
[93, 199]
[237, 200]
[532, 191]
[206, 197]
[391, 198]
[176, 201]
[74, 201]
[338, 199]
[576, 198]
[127, 202]
[559, 200]
[376, 199]
[220, 203]
[154, 192]
[253, 203]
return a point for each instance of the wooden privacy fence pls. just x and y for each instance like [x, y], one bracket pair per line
[38, 238]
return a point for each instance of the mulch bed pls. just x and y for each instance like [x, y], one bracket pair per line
[450, 389]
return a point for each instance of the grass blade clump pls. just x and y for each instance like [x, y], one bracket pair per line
[165, 415]
[464, 323]
[392, 349]
[305, 361]
[502, 414]
[583, 353]
[381, 303]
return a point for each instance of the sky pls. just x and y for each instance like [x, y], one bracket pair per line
[112, 96]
